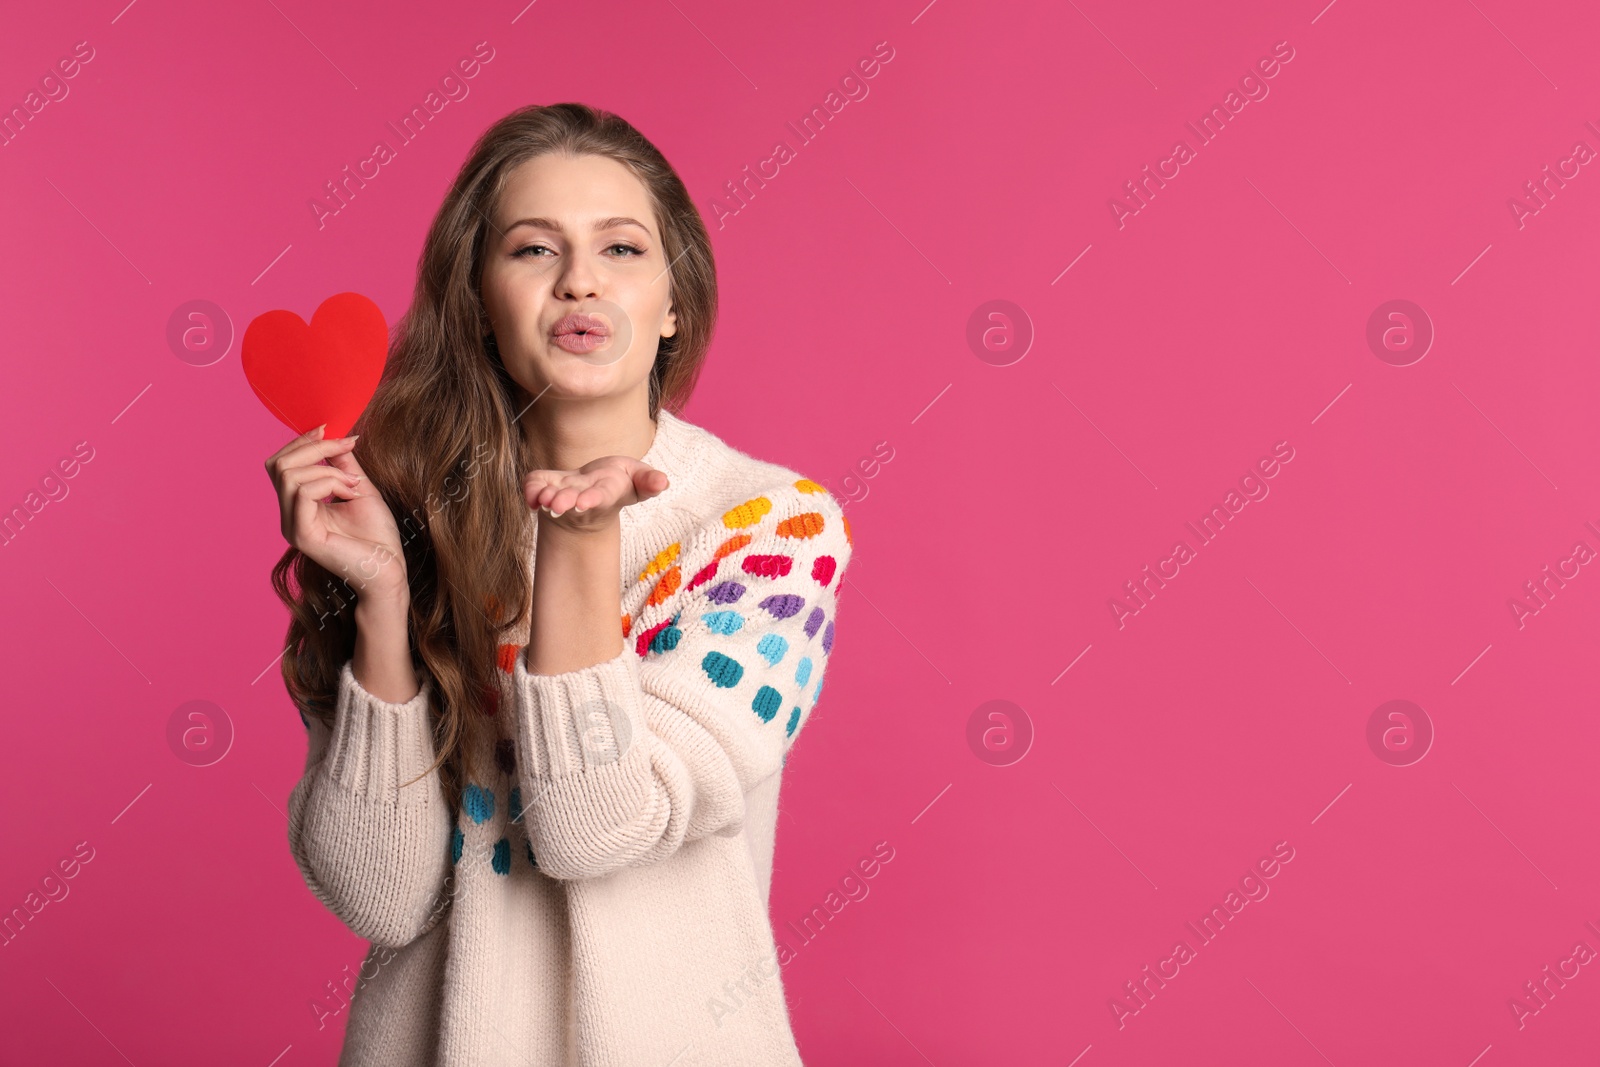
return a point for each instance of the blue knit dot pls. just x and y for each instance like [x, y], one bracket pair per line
[723, 670]
[772, 647]
[802, 671]
[723, 622]
[794, 720]
[479, 803]
[817, 692]
[502, 857]
[516, 803]
[529, 846]
[767, 702]
[457, 839]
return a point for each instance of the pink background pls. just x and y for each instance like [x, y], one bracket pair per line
[1226, 316]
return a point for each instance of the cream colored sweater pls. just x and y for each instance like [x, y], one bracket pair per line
[602, 900]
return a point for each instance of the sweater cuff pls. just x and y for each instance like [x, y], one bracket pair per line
[580, 720]
[376, 747]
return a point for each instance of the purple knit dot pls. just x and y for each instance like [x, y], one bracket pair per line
[827, 638]
[725, 593]
[813, 621]
[783, 605]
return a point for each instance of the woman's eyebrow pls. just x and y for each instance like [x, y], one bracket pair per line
[603, 224]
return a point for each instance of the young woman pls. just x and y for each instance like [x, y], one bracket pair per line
[552, 642]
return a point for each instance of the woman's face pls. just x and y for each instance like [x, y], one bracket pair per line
[574, 278]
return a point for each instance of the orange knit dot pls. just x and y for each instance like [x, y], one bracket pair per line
[806, 485]
[492, 608]
[847, 538]
[627, 623]
[732, 544]
[507, 657]
[807, 525]
[747, 514]
[662, 561]
[665, 587]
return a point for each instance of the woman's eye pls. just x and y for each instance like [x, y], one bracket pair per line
[527, 251]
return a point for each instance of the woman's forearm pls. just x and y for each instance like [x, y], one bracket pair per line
[577, 605]
[382, 659]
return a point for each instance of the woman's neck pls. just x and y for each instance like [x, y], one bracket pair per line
[563, 435]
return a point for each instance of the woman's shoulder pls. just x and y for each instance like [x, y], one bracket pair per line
[727, 477]
[734, 488]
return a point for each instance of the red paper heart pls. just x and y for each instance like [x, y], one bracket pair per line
[322, 373]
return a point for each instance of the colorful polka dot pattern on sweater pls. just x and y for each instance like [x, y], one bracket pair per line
[477, 803]
[766, 590]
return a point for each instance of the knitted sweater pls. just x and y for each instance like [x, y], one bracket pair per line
[602, 900]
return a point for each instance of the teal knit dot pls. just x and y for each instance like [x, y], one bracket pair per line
[802, 670]
[772, 647]
[479, 803]
[794, 720]
[502, 857]
[457, 839]
[529, 846]
[723, 622]
[767, 702]
[723, 670]
[516, 803]
[666, 640]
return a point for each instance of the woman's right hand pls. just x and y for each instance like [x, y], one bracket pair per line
[345, 529]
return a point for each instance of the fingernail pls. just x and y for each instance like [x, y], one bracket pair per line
[319, 430]
[352, 438]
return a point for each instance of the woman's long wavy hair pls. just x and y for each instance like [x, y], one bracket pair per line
[441, 442]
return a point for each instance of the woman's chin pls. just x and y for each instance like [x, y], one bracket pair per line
[573, 377]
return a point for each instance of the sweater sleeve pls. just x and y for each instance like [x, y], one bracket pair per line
[627, 760]
[374, 853]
